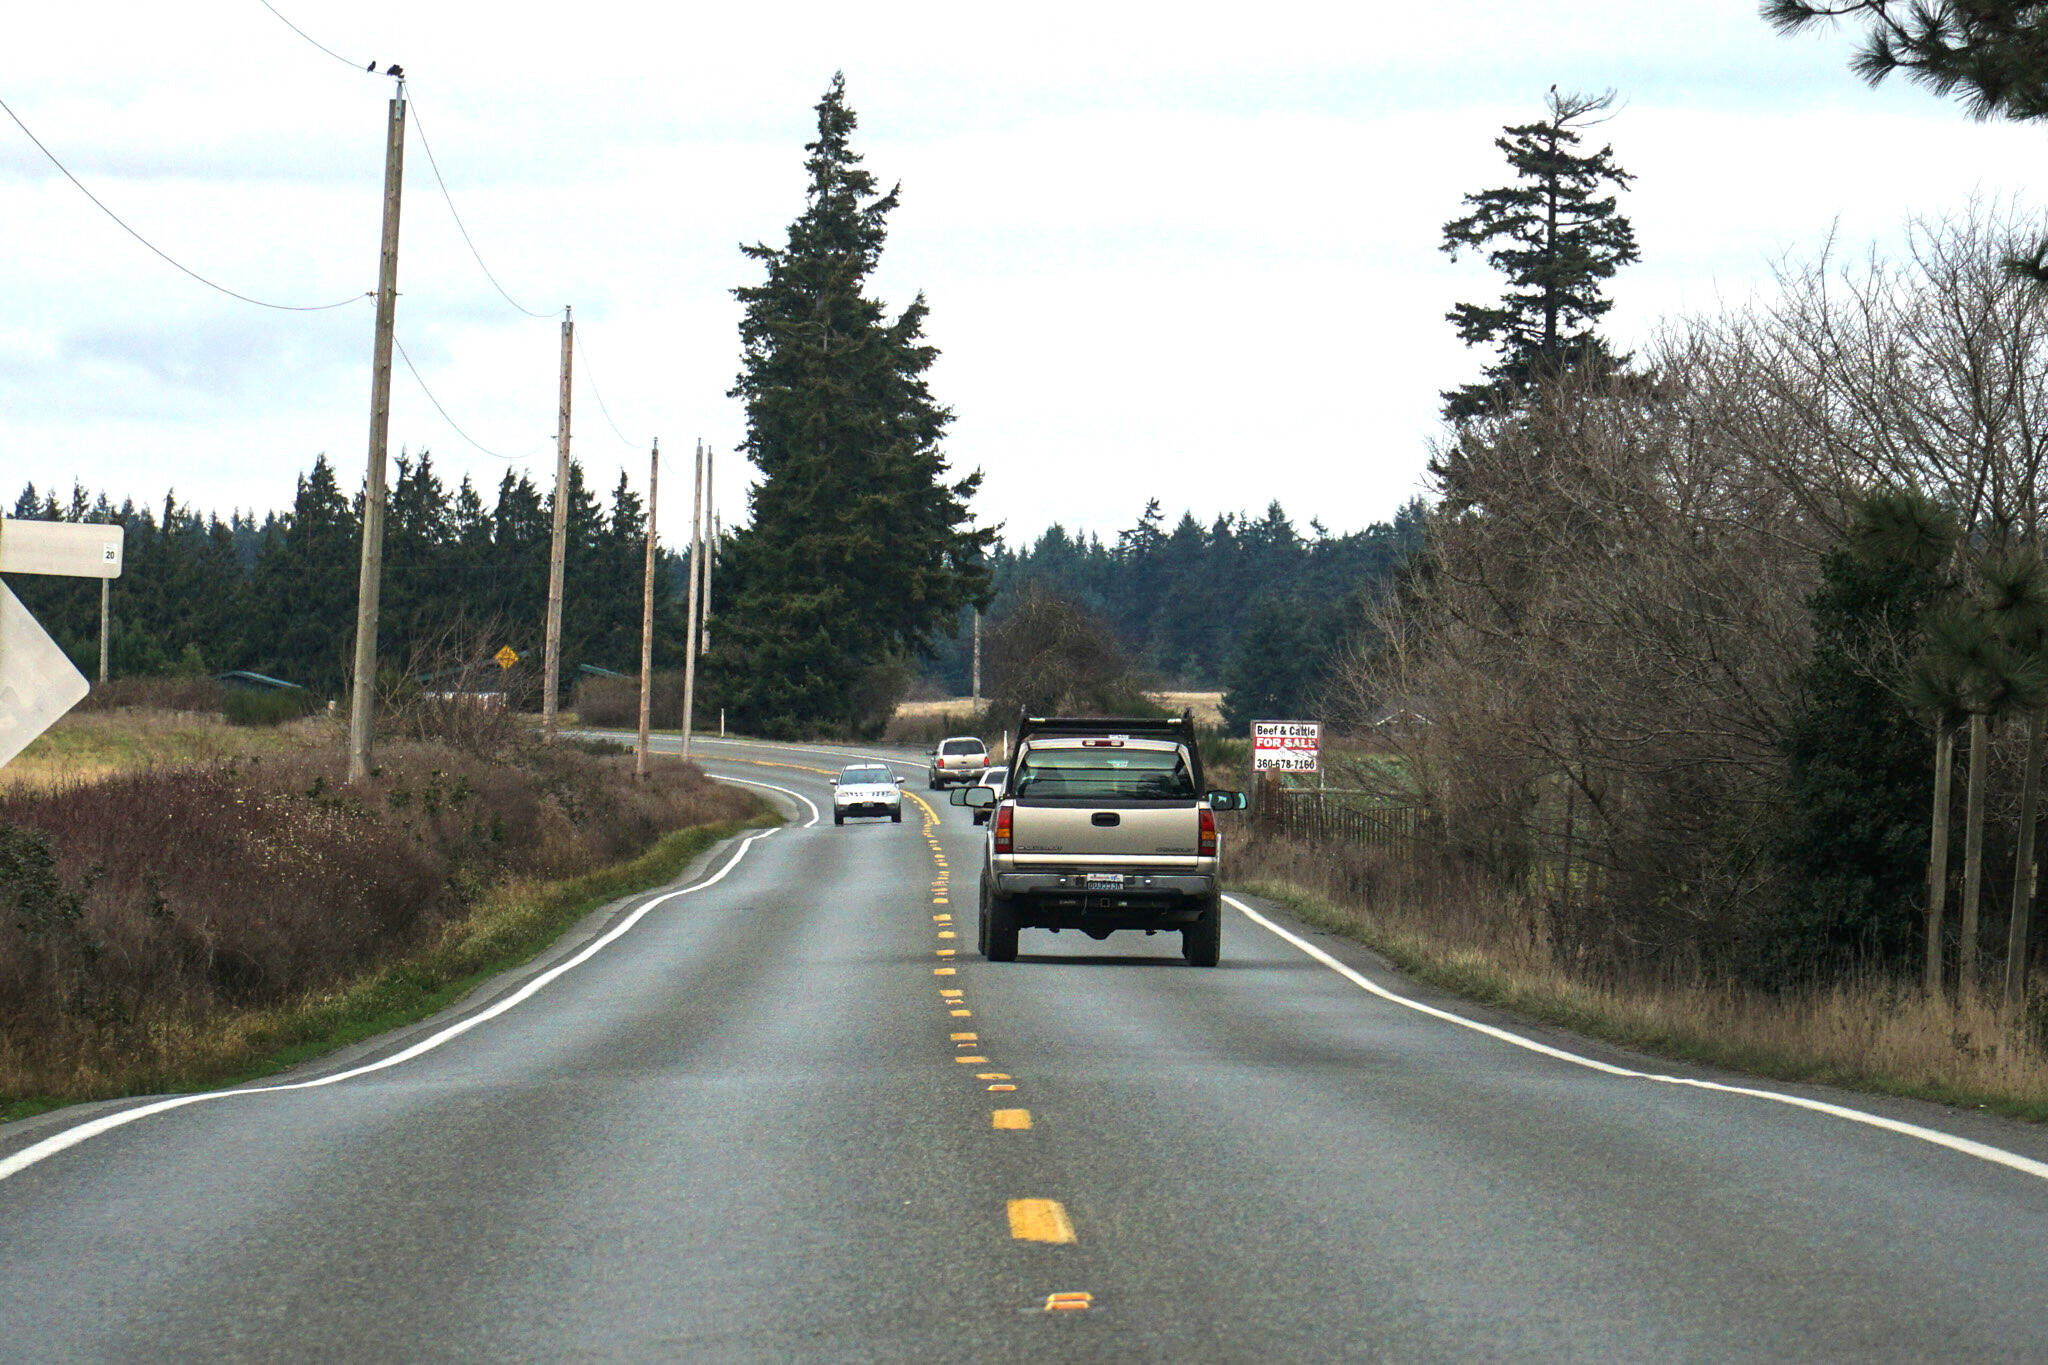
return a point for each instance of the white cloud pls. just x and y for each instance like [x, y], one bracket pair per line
[1183, 251]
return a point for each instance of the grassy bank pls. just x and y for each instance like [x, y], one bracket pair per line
[88, 746]
[509, 927]
[1876, 1035]
[168, 925]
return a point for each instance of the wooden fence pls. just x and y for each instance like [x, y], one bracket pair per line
[1332, 817]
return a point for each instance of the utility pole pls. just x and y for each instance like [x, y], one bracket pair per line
[106, 586]
[362, 709]
[551, 685]
[647, 613]
[696, 625]
[710, 544]
[977, 654]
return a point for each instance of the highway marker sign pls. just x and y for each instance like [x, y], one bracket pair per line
[69, 549]
[1286, 746]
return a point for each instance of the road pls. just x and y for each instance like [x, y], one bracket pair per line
[785, 1116]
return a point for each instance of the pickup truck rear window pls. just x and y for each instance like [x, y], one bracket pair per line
[1103, 775]
[963, 746]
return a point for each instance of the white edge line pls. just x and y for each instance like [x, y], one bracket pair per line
[816, 814]
[84, 1132]
[1995, 1155]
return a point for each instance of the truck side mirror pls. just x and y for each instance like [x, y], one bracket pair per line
[1223, 800]
[974, 798]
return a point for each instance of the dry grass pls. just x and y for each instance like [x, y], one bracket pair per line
[90, 746]
[1458, 932]
[1207, 706]
[182, 897]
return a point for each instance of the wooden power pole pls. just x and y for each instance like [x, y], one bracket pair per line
[710, 547]
[696, 581]
[557, 554]
[647, 613]
[362, 709]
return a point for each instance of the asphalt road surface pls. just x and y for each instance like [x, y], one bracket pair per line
[789, 1116]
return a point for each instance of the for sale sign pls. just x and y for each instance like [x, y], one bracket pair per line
[1286, 746]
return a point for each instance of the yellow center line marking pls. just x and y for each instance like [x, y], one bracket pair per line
[992, 1076]
[1067, 1303]
[944, 971]
[1002, 1087]
[1011, 1118]
[952, 995]
[963, 1014]
[945, 952]
[940, 900]
[947, 933]
[979, 1061]
[1040, 1220]
[942, 919]
[970, 1037]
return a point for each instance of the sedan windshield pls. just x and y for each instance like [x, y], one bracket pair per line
[864, 777]
[1096, 774]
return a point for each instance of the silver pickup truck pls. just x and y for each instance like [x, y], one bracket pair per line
[1104, 824]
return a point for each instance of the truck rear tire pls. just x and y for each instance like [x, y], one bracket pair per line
[1201, 943]
[998, 927]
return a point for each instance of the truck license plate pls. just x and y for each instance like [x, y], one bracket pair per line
[1105, 881]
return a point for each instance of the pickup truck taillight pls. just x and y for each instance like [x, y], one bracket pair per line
[1208, 832]
[1002, 827]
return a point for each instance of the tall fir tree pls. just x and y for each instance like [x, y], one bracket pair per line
[860, 550]
[1558, 239]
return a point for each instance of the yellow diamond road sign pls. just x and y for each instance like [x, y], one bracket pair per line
[506, 657]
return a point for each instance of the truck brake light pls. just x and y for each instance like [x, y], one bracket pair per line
[1208, 832]
[1002, 827]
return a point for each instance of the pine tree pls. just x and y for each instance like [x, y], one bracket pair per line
[1557, 242]
[859, 550]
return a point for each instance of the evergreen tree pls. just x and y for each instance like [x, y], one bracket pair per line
[1859, 774]
[859, 551]
[305, 585]
[1993, 53]
[1557, 240]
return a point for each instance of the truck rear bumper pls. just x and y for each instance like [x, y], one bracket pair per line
[1068, 900]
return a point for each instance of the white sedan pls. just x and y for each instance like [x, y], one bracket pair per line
[866, 789]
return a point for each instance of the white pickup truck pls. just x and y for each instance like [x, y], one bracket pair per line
[1104, 824]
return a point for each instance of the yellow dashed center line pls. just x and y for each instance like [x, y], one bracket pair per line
[977, 1061]
[948, 933]
[992, 1076]
[944, 971]
[966, 1037]
[1011, 1118]
[963, 1014]
[1040, 1220]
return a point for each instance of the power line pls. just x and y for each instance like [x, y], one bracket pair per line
[421, 128]
[367, 70]
[509, 459]
[183, 269]
[590, 376]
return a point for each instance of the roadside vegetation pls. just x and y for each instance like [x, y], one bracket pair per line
[173, 923]
[1461, 930]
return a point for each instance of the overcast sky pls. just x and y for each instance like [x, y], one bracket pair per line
[1181, 251]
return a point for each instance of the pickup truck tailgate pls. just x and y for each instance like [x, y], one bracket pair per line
[1135, 835]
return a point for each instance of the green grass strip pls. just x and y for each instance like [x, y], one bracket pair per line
[509, 927]
[1414, 956]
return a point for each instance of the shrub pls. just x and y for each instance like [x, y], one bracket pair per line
[202, 695]
[243, 706]
[135, 907]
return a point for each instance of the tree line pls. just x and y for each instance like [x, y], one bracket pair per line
[462, 577]
[1255, 606]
